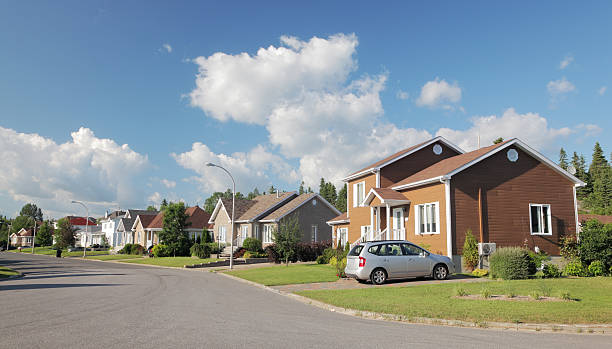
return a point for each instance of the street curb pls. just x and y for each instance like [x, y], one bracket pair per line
[525, 327]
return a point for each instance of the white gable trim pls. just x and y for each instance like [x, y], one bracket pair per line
[373, 193]
[419, 183]
[218, 207]
[430, 142]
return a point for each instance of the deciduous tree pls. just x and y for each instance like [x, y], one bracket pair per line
[286, 238]
[174, 225]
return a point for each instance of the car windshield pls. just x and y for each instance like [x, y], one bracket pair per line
[356, 250]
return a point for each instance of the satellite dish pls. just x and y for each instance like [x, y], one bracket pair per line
[512, 155]
[571, 169]
[437, 149]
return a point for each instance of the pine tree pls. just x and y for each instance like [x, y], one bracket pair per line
[331, 193]
[563, 159]
[322, 188]
[598, 162]
[310, 190]
[579, 164]
[44, 237]
[341, 200]
[301, 190]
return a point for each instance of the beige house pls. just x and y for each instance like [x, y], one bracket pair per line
[259, 217]
[22, 238]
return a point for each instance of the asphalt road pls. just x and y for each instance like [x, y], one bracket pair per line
[66, 303]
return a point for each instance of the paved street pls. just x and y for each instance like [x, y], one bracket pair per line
[74, 303]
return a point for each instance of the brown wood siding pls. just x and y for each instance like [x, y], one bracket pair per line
[507, 190]
[358, 215]
[413, 163]
[422, 195]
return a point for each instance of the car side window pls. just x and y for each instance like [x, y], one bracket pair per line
[374, 249]
[411, 250]
[391, 250]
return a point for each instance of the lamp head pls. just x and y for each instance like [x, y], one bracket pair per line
[210, 164]
[74, 202]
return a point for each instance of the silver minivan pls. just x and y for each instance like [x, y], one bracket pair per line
[379, 261]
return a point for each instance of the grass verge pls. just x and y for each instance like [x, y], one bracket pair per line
[7, 272]
[114, 257]
[593, 303]
[47, 250]
[286, 275]
[177, 262]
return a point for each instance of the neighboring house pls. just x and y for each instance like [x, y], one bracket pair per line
[197, 222]
[94, 231]
[259, 217]
[124, 225]
[142, 236]
[22, 238]
[433, 193]
[109, 225]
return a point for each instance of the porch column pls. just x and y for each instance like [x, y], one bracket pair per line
[378, 219]
[388, 222]
[371, 222]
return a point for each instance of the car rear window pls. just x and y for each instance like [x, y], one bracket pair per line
[356, 250]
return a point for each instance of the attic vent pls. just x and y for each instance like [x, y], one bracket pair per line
[437, 149]
[314, 202]
[512, 155]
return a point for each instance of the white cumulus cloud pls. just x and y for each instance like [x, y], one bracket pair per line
[87, 168]
[167, 48]
[566, 61]
[561, 86]
[602, 90]
[168, 183]
[531, 128]
[439, 93]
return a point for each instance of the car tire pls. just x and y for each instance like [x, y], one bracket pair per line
[378, 276]
[361, 281]
[440, 272]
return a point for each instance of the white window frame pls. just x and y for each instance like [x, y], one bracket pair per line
[222, 232]
[417, 218]
[342, 236]
[541, 219]
[244, 231]
[256, 232]
[356, 192]
[313, 232]
[268, 237]
[366, 232]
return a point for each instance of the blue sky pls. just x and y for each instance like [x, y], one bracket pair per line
[386, 76]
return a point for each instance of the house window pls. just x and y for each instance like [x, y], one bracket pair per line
[539, 217]
[257, 232]
[342, 236]
[427, 218]
[365, 232]
[244, 231]
[222, 233]
[267, 238]
[313, 233]
[358, 193]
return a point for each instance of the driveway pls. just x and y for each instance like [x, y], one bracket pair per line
[86, 304]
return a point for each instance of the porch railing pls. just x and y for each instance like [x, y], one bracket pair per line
[363, 238]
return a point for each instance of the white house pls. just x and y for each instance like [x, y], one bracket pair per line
[109, 225]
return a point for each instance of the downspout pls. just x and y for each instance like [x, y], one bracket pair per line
[480, 214]
[447, 199]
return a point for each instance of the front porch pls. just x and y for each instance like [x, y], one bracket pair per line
[388, 213]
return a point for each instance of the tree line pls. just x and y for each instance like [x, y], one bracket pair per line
[596, 196]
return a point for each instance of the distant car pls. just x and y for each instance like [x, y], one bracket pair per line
[379, 261]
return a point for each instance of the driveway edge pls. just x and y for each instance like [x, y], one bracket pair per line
[528, 327]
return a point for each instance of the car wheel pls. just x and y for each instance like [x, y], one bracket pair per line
[361, 281]
[440, 272]
[378, 276]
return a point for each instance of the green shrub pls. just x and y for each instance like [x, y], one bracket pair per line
[127, 249]
[565, 295]
[252, 245]
[596, 243]
[511, 263]
[574, 268]
[328, 253]
[249, 254]
[321, 260]
[161, 251]
[480, 272]
[200, 251]
[596, 268]
[273, 255]
[137, 249]
[569, 248]
[538, 258]
[551, 271]
[470, 251]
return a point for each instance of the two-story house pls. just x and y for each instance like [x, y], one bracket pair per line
[434, 192]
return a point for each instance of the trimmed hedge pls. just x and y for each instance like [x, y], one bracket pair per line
[310, 251]
[200, 250]
[252, 245]
[132, 249]
[161, 251]
[511, 263]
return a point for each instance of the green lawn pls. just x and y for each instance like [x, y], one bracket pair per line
[47, 250]
[114, 257]
[38, 250]
[6, 272]
[178, 262]
[80, 253]
[285, 275]
[594, 303]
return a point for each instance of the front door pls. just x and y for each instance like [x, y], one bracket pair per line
[399, 233]
[244, 230]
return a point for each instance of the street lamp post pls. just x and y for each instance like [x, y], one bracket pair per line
[8, 237]
[86, 225]
[210, 164]
[34, 237]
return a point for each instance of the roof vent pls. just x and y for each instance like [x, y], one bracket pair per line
[512, 155]
[437, 149]
[277, 194]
